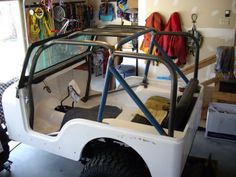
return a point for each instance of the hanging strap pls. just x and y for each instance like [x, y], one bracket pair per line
[47, 21]
[34, 28]
[190, 43]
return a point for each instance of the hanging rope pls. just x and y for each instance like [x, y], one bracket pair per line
[34, 27]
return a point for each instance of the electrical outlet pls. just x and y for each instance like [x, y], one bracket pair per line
[225, 21]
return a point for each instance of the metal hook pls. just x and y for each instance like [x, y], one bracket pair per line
[194, 17]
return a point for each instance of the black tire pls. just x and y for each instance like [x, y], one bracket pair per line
[115, 163]
[4, 139]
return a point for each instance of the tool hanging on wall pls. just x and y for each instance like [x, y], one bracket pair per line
[59, 13]
[40, 21]
[65, 20]
[60, 21]
[34, 29]
[39, 13]
[121, 8]
[190, 43]
[46, 18]
[72, 16]
[122, 5]
[107, 11]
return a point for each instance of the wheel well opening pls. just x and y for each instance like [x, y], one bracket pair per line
[100, 145]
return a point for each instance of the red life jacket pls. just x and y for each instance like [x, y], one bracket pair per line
[174, 46]
[155, 21]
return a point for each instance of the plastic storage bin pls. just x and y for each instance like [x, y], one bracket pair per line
[125, 71]
[221, 121]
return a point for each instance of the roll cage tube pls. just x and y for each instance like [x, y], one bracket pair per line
[154, 43]
[110, 30]
[36, 57]
[134, 27]
[45, 43]
[145, 79]
[135, 36]
[103, 31]
[152, 120]
[122, 31]
[27, 57]
[138, 34]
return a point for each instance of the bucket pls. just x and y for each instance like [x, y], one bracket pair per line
[125, 71]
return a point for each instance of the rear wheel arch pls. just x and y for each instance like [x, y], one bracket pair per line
[99, 145]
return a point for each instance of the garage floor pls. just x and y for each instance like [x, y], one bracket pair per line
[29, 161]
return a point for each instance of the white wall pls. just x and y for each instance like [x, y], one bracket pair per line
[211, 22]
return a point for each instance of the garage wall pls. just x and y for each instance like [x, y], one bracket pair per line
[216, 29]
[96, 5]
[96, 22]
[209, 11]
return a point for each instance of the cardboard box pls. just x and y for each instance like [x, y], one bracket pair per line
[221, 121]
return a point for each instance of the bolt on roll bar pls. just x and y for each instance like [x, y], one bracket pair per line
[171, 66]
[152, 120]
[167, 62]
[112, 71]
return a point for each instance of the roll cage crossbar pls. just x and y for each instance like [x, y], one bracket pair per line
[112, 70]
[128, 34]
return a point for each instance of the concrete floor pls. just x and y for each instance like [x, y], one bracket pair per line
[222, 152]
[32, 162]
[29, 161]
